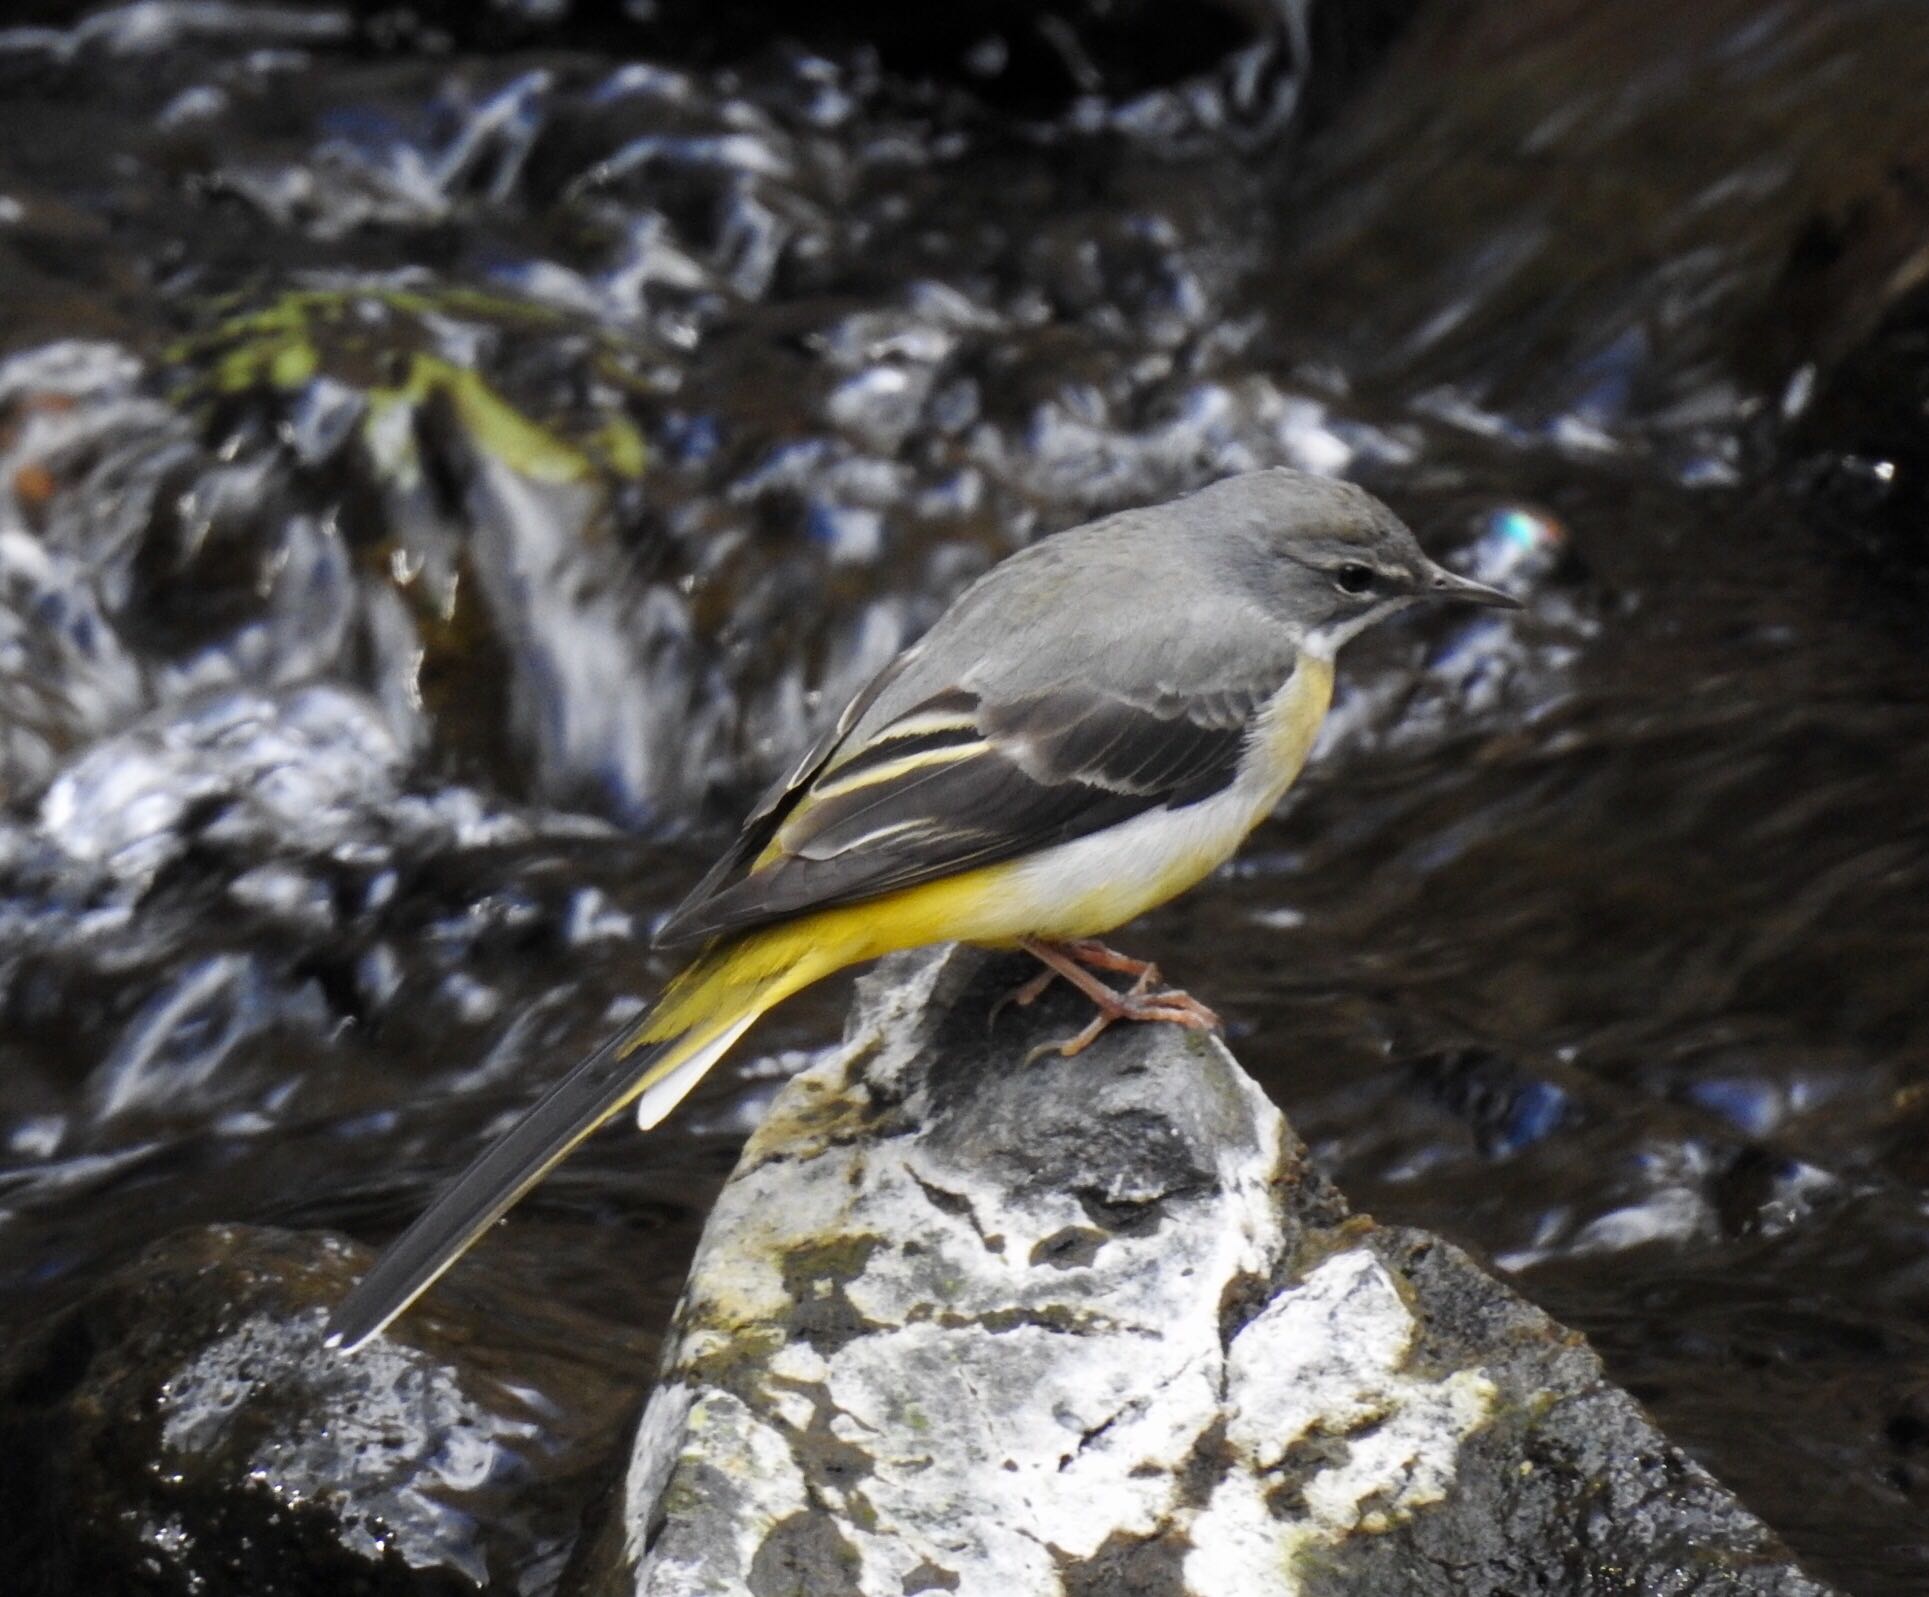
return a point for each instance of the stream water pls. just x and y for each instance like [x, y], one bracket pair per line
[442, 477]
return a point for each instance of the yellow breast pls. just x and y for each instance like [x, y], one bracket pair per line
[1289, 725]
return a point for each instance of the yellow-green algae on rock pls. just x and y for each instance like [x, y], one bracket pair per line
[392, 345]
[468, 467]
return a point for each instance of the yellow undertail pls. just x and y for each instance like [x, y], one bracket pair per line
[654, 1064]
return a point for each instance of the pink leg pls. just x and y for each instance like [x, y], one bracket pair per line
[1140, 1003]
[1090, 951]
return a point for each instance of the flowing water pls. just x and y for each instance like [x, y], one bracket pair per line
[444, 472]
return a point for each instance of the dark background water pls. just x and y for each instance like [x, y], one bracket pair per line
[447, 464]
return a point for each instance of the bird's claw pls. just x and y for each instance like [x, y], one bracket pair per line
[1144, 1000]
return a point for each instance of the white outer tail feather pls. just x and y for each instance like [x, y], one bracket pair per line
[660, 1097]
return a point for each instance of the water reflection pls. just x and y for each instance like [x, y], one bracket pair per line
[452, 484]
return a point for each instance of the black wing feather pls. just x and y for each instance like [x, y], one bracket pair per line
[761, 824]
[1049, 768]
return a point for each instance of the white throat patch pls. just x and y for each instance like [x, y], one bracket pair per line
[1326, 640]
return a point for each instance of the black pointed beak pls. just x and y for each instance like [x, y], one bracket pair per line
[1440, 583]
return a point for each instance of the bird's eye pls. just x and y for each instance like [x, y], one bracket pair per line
[1353, 578]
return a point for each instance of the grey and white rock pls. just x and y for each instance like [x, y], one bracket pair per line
[970, 1324]
[180, 1431]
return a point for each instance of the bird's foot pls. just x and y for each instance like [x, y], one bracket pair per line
[1145, 1000]
[1087, 951]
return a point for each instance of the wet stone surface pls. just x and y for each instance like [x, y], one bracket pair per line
[184, 1431]
[962, 1322]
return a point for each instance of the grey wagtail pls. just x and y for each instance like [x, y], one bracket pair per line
[1092, 727]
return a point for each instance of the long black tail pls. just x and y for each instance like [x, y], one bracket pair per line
[657, 1060]
[475, 1200]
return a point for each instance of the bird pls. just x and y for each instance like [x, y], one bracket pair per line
[1092, 727]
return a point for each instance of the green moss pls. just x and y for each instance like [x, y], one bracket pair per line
[681, 1499]
[495, 425]
[390, 345]
[860, 1512]
[740, 1364]
[816, 1277]
[620, 445]
[293, 364]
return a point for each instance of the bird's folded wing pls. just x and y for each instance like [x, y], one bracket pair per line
[960, 781]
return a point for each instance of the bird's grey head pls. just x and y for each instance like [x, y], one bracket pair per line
[1326, 557]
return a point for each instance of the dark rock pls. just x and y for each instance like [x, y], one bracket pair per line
[1009, 52]
[1005, 50]
[183, 1431]
[965, 1323]
[1859, 445]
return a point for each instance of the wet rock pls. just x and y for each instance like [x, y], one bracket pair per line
[1004, 50]
[1859, 467]
[963, 1322]
[184, 1431]
[607, 418]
